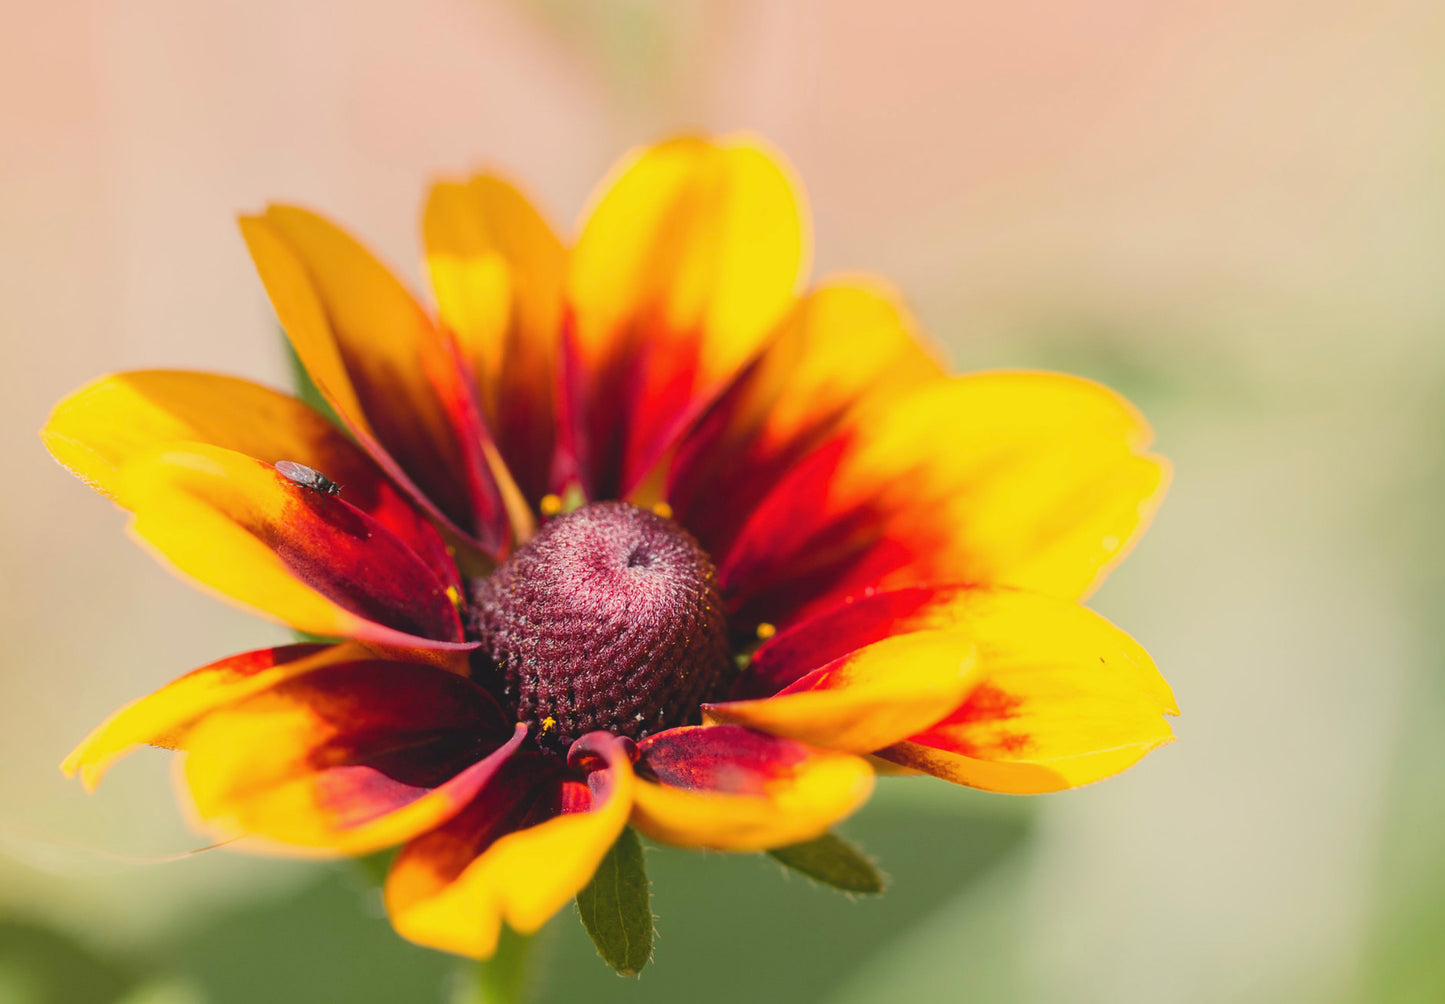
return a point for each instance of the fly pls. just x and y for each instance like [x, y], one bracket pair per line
[307, 477]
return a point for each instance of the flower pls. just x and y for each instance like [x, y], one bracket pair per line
[631, 532]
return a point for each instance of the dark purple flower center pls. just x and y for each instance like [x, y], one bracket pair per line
[609, 618]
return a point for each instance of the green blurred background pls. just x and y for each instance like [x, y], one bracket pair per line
[1233, 211]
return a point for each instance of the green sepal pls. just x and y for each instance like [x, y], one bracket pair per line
[307, 638]
[306, 388]
[833, 861]
[374, 867]
[616, 907]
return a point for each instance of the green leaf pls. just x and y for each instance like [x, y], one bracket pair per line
[616, 907]
[833, 861]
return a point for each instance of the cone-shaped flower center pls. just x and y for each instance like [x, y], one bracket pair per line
[609, 618]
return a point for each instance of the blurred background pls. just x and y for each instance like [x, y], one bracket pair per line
[1233, 211]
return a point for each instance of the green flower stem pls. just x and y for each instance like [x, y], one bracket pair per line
[505, 978]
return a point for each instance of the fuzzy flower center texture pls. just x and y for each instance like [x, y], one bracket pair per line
[609, 618]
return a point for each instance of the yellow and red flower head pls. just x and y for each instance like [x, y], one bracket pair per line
[626, 532]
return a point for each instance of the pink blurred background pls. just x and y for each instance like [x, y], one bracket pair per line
[1235, 211]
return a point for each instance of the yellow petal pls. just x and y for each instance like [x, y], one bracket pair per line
[496, 863]
[497, 268]
[347, 759]
[868, 699]
[96, 430]
[850, 343]
[161, 717]
[728, 788]
[242, 530]
[848, 346]
[1029, 777]
[376, 357]
[302, 314]
[1063, 698]
[692, 253]
[1032, 480]
[709, 235]
[103, 426]
[997, 620]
